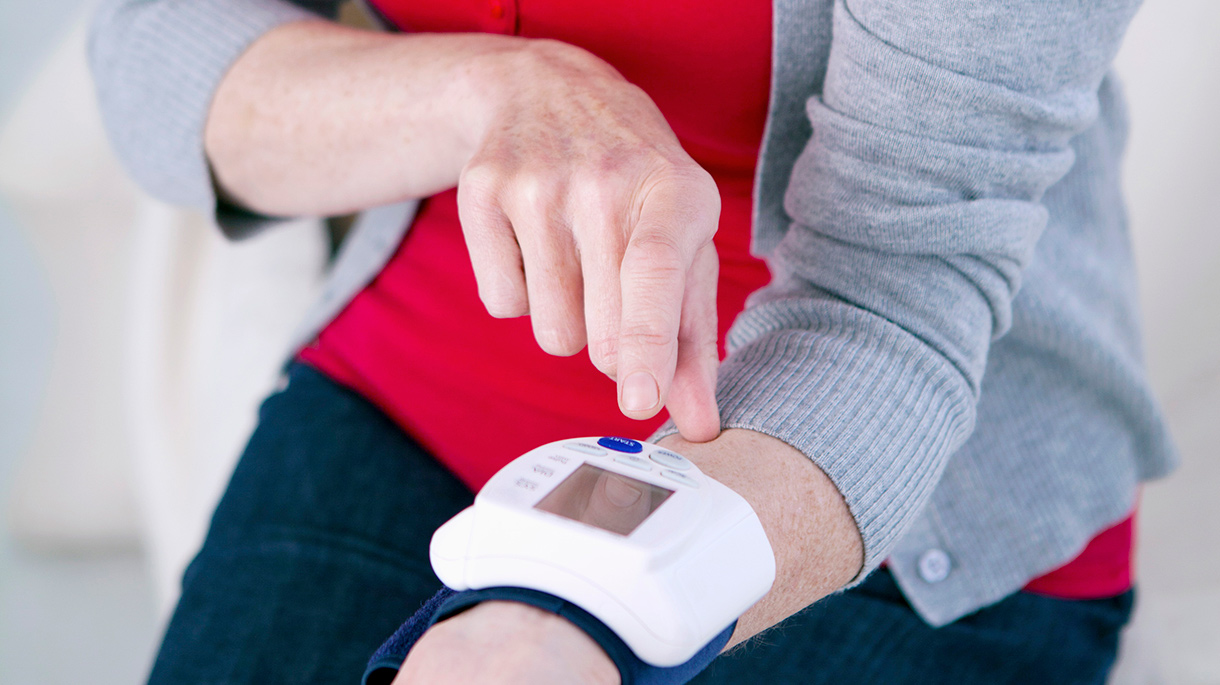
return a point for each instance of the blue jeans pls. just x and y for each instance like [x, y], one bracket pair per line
[319, 550]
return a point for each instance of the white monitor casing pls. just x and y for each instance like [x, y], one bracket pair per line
[692, 567]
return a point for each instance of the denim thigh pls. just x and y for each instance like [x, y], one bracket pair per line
[870, 634]
[318, 549]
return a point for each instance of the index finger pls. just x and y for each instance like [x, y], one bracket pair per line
[676, 219]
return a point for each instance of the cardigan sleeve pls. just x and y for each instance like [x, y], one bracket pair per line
[914, 207]
[156, 65]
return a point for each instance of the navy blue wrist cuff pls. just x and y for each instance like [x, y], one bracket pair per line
[447, 603]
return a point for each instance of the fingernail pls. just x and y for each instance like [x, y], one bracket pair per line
[640, 392]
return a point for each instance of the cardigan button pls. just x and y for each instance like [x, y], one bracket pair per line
[934, 565]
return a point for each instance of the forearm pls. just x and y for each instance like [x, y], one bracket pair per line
[317, 118]
[817, 546]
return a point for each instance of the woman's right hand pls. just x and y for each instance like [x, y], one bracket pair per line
[578, 204]
[581, 209]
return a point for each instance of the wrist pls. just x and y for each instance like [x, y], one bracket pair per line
[483, 82]
[507, 71]
[818, 548]
[521, 632]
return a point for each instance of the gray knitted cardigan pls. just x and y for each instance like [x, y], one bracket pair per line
[922, 160]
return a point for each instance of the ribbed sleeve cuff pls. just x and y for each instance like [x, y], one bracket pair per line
[872, 406]
[157, 67]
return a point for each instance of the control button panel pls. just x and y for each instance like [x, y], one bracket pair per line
[679, 477]
[632, 460]
[669, 459]
[621, 444]
[586, 448]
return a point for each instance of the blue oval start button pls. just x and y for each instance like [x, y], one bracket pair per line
[618, 444]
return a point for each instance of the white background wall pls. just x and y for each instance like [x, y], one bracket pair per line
[67, 618]
[1171, 64]
[56, 368]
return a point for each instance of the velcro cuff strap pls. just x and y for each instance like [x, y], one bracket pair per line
[447, 603]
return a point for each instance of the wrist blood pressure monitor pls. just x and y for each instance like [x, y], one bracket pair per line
[630, 532]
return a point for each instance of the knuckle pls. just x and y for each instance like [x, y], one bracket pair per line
[699, 195]
[600, 202]
[534, 199]
[681, 170]
[603, 352]
[535, 192]
[503, 305]
[528, 187]
[647, 338]
[502, 295]
[591, 188]
[656, 256]
[691, 175]
[481, 180]
[660, 243]
[559, 341]
[506, 310]
[478, 197]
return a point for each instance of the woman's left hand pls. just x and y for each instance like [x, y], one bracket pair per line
[506, 643]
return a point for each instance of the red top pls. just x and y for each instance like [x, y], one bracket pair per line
[478, 391]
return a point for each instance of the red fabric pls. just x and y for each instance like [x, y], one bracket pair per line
[477, 391]
[1103, 569]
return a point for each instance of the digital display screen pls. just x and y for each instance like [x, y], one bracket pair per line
[605, 500]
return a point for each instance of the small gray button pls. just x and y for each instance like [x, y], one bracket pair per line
[526, 483]
[680, 478]
[672, 460]
[586, 448]
[632, 460]
[543, 470]
[934, 565]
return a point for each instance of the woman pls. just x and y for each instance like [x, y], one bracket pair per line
[986, 446]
